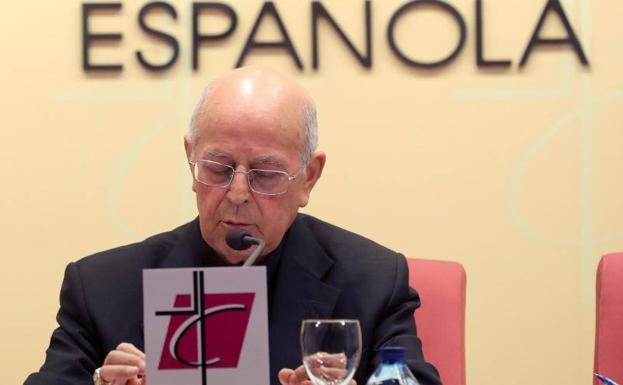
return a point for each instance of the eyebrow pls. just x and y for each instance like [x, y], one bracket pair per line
[261, 160]
[268, 160]
[217, 154]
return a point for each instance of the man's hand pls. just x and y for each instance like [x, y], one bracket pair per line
[124, 366]
[329, 367]
[297, 376]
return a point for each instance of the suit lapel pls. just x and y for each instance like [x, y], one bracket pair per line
[300, 292]
[305, 267]
[190, 250]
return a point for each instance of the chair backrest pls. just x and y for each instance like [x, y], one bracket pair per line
[441, 318]
[609, 319]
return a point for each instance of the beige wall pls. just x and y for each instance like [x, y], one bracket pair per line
[516, 174]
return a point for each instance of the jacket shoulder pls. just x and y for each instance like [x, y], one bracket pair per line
[143, 254]
[342, 244]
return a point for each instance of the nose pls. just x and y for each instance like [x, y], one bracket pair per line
[239, 191]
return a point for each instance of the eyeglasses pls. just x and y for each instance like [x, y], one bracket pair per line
[266, 182]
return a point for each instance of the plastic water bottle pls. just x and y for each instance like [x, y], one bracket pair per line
[392, 370]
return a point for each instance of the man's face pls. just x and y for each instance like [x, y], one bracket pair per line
[266, 135]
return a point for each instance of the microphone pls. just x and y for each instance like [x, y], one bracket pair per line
[239, 239]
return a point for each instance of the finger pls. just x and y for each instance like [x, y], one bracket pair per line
[332, 373]
[284, 376]
[336, 360]
[129, 348]
[118, 373]
[299, 376]
[117, 357]
[137, 381]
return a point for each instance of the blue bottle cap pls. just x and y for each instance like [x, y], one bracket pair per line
[393, 354]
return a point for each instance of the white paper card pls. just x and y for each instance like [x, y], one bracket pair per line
[233, 330]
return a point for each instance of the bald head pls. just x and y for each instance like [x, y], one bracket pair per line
[262, 91]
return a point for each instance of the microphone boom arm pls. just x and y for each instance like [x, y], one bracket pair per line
[256, 253]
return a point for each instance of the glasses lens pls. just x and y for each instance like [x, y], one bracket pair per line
[213, 173]
[268, 182]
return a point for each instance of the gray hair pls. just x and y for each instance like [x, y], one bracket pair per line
[193, 130]
[310, 126]
[309, 116]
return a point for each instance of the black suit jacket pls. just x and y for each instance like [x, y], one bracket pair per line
[323, 272]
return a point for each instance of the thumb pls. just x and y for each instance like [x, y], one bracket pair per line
[284, 375]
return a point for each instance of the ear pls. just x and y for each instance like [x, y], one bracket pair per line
[188, 147]
[313, 171]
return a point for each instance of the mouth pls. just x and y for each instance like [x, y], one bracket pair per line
[234, 225]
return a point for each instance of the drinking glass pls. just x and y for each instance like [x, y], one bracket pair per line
[331, 350]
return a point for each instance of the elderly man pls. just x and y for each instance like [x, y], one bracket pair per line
[252, 152]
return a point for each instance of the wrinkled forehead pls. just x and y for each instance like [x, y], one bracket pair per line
[272, 114]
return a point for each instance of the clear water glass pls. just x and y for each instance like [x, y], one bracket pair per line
[331, 350]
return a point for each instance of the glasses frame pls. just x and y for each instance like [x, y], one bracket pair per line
[291, 177]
